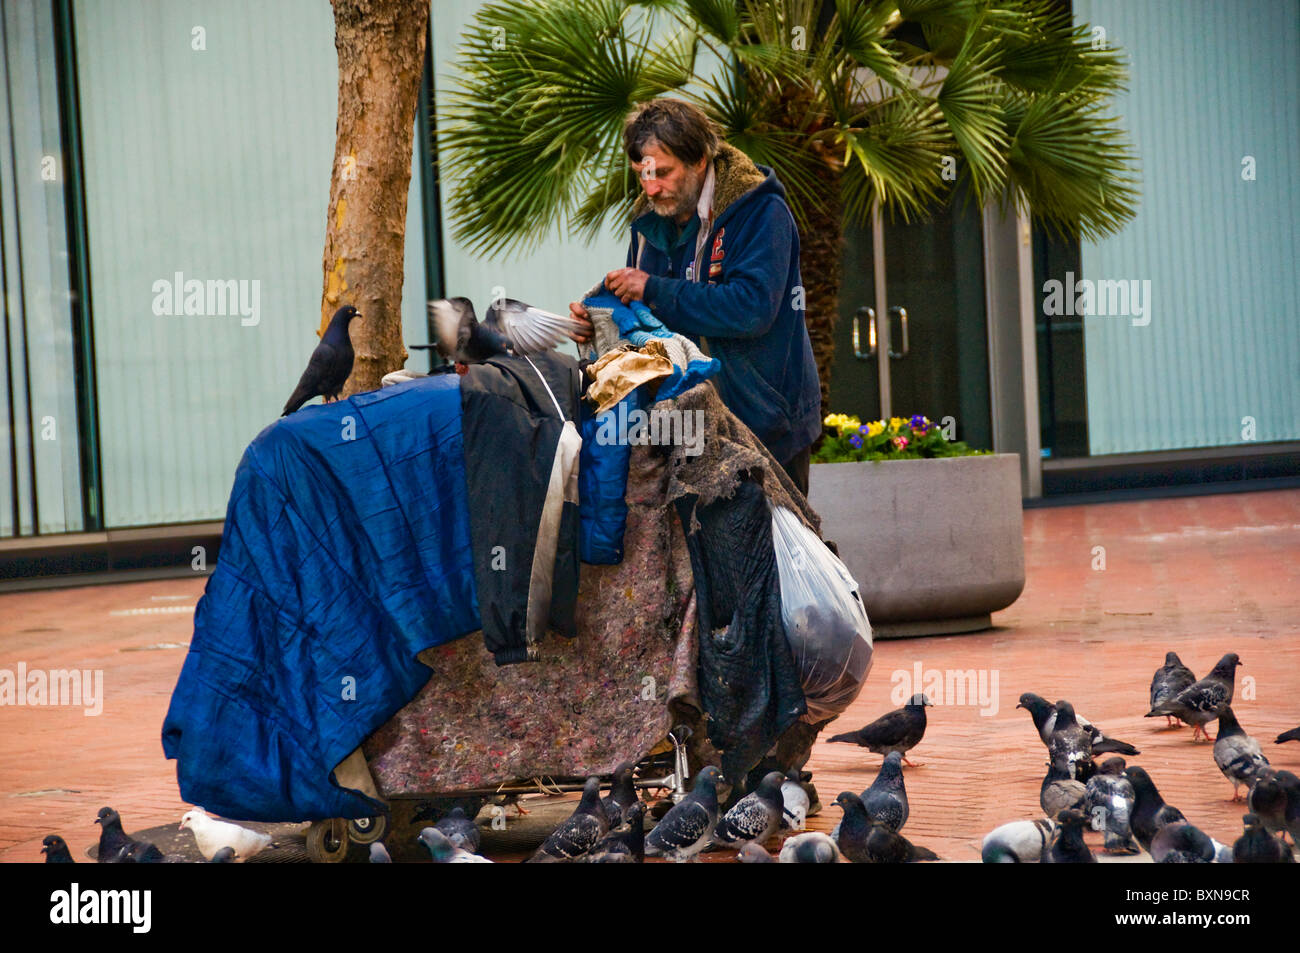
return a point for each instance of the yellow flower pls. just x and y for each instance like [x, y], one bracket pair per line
[896, 424]
[875, 428]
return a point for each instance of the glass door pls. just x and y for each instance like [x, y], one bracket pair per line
[929, 354]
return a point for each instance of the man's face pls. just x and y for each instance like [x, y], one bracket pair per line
[672, 187]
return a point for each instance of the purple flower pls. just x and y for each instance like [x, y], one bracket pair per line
[917, 422]
[856, 440]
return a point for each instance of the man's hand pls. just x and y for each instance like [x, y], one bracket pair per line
[627, 283]
[578, 312]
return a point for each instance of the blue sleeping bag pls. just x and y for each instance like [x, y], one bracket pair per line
[345, 552]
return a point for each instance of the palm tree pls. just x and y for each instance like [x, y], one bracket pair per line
[851, 103]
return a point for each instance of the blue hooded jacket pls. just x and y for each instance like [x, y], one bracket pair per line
[749, 305]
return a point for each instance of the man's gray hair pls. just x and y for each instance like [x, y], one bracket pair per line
[679, 127]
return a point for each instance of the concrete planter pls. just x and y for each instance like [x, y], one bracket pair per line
[936, 545]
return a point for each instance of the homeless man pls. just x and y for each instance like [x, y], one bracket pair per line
[715, 254]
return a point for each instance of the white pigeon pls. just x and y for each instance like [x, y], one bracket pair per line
[212, 835]
[443, 851]
[813, 847]
[794, 814]
[1019, 842]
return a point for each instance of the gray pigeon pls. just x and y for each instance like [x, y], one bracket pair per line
[813, 847]
[379, 853]
[511, 325]
[1019, 842]
[1201, 702]
[755, 817]
[1181, 843]
[1268, 798]
[1043, 713]
[1060, 792]
[1150, 812]
[1110, 805]
[900, 730]
[1292, 735]
[1170, 679]
[579, 832]
[1236, 753]
[795, 802]
[56, 850]
[688, 828]
[854, 829]
[226, 855]
[1067, 845]
[1258, 846]
[114, 843]
[460, 830]
[443, 851]
[1070, 744]
[622, 794]
[625, 842]
[751, 853]
[329, 365]
[889, 847]
[886, 800]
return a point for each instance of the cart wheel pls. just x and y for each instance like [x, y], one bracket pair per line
[327, 841]
[367, 830]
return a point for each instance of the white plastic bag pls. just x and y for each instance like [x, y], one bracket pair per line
[825, 621]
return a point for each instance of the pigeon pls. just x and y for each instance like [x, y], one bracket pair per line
[56, 850]
[622, 794]
[794, 802]
[226, 856]
[1067, 845]
[625, 842]
[1043, 713]
[1201, 702]
[688, 828]
[755, 817]
[899, 730]
[443, 851]
[1170, 679]
[1150, 812]
[579, 832]
[114, 843]
[1236, 753]
[510, 326]
[886, 799]
[1181, 843]
[1257, 846]
[378, 853]
[1070, 744]
[751, 853]
[1292, 735]
[889, 847]
[1019, 842]
[211, 835]
[854, 830]
[460, 830]
[1110, 805]
[814, 847]
[329, 365]
[1267, 800]
[1060, 792]
[142, 852]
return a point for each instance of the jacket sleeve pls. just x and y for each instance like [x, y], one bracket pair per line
[755, 266]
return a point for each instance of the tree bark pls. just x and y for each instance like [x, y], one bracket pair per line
[380, 47]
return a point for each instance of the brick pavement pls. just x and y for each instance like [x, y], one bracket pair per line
[1199, 575]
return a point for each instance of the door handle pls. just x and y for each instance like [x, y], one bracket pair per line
[870, 315]
[902, 315]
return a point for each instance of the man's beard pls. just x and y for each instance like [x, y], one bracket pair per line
[690, 198]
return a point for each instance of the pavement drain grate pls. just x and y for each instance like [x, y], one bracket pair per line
[171, 840]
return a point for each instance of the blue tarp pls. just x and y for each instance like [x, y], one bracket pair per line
[346, 551]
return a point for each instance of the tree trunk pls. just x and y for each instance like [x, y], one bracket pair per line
[821, 253]
[380, 46]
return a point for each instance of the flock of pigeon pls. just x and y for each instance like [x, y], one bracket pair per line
[1123, 802]
[1119, 800]
[220, 842]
